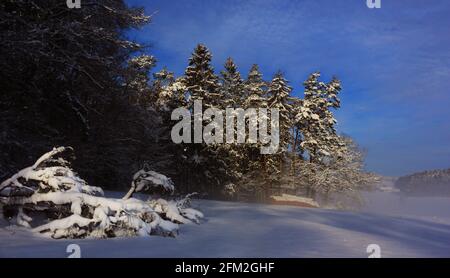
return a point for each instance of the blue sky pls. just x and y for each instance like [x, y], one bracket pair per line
[394, 62]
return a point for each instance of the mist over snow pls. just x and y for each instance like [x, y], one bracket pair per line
[413, 227]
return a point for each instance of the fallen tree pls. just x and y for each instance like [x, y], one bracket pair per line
[74, 209]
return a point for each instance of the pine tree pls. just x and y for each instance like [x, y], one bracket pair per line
[233, 89]
[208, 165]
[137, 79]
[255, 89]
[253, 183]
[336, 146]
[200, 80]
[170, 92]
[232, 85]
[279, 97]
[255, 98]
[316, 120]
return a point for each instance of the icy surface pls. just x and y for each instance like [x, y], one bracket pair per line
[415, 227]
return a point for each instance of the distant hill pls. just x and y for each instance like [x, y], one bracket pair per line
[428, 183]
[387, 184]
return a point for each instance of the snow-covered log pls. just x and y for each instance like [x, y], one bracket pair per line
[74, 209]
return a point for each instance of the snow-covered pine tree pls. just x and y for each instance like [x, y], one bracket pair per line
[255, 89]
[207, 165]
[255, 98]
[331, 95]
[231, 155]
[137, 79]
[279, 97]
[170, 92]
[200, 80]
[316, 120]
[307, 118]
[232, 85]
[254, 165]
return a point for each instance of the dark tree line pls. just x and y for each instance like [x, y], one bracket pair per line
[67, 79]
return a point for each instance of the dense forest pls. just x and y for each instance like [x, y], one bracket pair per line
[71, 77]
[427, 183]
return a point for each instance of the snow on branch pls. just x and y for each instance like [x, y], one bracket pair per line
[75, 209]
[50, 172]
[149, 181]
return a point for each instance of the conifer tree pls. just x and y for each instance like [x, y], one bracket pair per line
[170, 92]
[137, 79]
[279, 97]
[316, 120]
[232, 85]
[233, 89]
[255, 89]
[200, 80]
[331, 95]
[208, 166]
[255, 98]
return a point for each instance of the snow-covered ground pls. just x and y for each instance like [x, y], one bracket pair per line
[402, 227]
